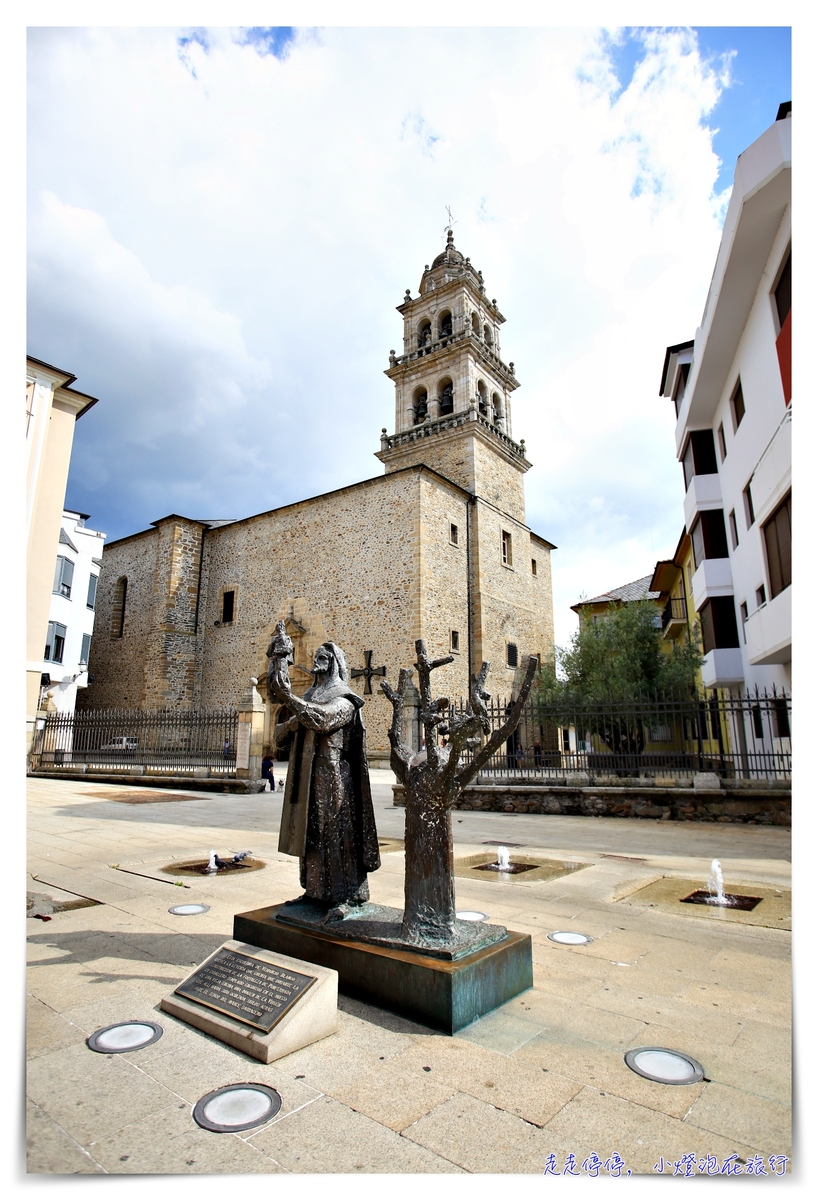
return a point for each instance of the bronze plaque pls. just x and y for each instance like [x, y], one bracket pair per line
[256, 992]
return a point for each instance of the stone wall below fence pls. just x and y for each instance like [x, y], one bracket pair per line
[750, 802]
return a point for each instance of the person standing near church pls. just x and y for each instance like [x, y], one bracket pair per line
[267, 771]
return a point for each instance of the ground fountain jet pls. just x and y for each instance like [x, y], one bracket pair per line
[715, 885]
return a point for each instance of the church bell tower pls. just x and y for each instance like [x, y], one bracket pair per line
[452, 388]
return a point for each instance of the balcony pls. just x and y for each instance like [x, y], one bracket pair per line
[714, 577]
[721, 668]
[674, 617]
[704, 492]
[769, 631]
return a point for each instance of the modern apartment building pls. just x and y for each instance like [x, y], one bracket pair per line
[71, 616]
[732, 390]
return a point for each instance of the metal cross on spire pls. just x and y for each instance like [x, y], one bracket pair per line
[448, 227]
[367, 671]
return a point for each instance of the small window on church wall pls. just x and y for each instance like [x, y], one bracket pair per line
[455, 643]
[511, 654]
[507, 548]
[446, 325]
[453, 534]
[533, 566]
[424, 333]
[228, 606]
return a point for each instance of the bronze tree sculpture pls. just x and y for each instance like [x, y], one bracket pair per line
[433, 782]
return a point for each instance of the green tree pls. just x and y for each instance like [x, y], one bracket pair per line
[616, 676]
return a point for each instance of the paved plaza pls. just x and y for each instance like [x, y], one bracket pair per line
[519, 1091]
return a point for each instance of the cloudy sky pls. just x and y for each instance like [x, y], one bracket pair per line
[222, 221]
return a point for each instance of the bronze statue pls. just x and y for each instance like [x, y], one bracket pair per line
[327, 820]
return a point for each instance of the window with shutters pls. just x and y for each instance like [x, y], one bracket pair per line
[63, 577]
[55, 642]
[511, 654]
[91, 601]
[778, 543]
[85, 652]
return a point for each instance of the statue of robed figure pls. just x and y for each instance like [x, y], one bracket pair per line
[327, 819]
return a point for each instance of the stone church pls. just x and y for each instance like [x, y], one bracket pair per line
[437, 547]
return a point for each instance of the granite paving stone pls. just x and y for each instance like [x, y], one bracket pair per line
[50, 1150]
[328, 1138]
[543, 1074]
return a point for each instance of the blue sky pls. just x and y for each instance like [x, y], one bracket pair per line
[760, 65]
[222, 221]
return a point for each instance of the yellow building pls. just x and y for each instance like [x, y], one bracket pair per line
[672, 581]
[52, 408]
[598, 606]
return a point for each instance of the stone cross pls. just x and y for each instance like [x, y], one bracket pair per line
[368, 671]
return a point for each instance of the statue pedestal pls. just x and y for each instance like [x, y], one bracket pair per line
[444, 994]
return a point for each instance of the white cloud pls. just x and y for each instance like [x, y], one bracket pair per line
[219, 243]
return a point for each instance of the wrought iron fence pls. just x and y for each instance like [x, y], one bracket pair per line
[163, 741]
[656, 735]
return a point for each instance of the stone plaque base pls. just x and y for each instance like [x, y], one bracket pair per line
[442, 994]
[314, 1015]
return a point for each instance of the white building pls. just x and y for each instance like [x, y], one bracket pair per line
[732, 391]
[71, 615]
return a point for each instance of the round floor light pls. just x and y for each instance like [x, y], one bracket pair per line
[236, 1107]
[189, 910]
[565, 937]
[470, 914]
[664, 1066]
[127, 1035]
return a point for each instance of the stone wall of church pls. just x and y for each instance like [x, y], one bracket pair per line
[450, 453]
[511, 604]
[343, 567]
[154, 663]
[497, 480]
[117, 663]
[170, 660]
[372, 567]
[444, 582]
